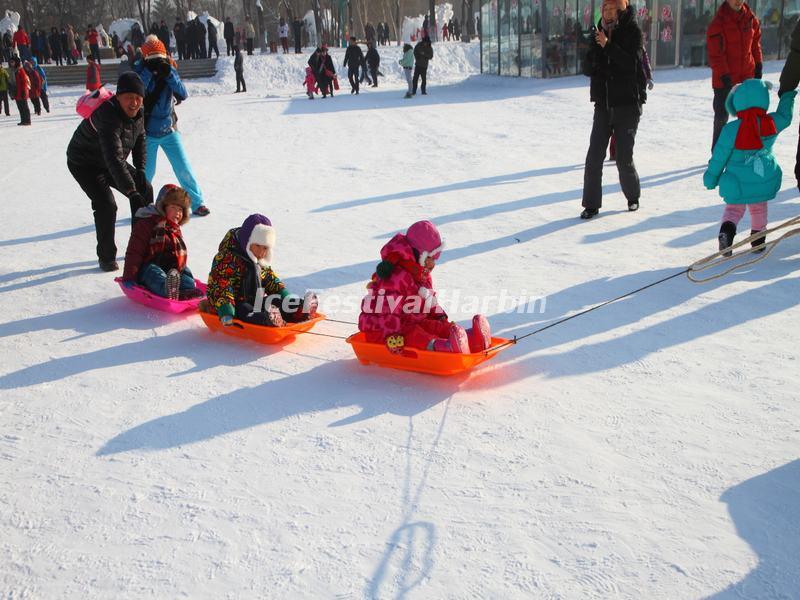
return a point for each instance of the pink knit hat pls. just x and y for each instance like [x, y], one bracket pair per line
[425, 239]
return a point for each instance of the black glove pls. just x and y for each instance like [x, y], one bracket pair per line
[759, 71]
[137, 199]
[140, 180]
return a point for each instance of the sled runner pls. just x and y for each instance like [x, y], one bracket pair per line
[142, 295]
[259, 333]
[421, 361]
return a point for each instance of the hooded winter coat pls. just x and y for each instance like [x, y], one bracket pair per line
[234, 279]
[747, 176]
[398, 302]
[734, 45]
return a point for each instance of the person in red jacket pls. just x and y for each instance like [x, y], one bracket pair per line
[156, 255]
[93, 38]
[23, 43]
[36, 87]
[92, 74]
[734, 54]
[21, 97]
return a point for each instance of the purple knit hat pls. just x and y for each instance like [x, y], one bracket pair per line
[257, 229]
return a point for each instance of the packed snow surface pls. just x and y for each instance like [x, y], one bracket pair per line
[648, 449]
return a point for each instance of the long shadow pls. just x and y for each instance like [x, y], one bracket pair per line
[213, 352]
[704, 215]
[766, 512]
[648, 181]
[6, 277]
[70, 274]
[329, 386]
[414, 541]
[773, 297]
[57, 235]
[483, 182]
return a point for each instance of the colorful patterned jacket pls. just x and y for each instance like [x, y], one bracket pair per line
[233, 281]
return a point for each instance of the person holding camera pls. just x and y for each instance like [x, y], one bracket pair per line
[163, 87]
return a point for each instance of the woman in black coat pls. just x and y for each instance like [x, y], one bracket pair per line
[618, 90]
[322, 65]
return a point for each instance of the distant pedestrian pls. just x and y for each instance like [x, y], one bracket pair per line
[238, 67]
[228, 33]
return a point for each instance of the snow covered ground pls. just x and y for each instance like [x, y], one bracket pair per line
[646, 450]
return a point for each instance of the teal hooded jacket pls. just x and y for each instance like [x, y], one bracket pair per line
[748, 176]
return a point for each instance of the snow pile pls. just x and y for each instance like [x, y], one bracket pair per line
[283, 74]
[9, 22]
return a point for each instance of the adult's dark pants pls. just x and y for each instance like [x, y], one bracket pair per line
[37, 106]
[97, 183]
[250, 46]
[720, 114]
[212, 45]
[45, 101]
[374, 74]
[623, 121]
[4, 103]
[95, 52]
[240, 84]
[181, 49]
[228, 46]
[352, 77]
[24, 112]
[422, 73]
[297, 49]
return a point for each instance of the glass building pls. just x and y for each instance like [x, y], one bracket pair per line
[549, 38]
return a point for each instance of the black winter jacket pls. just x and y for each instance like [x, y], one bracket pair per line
[616, 70]
[227, 31]
[353, 57]
[106, 139]
[373, 58]
[423, 53]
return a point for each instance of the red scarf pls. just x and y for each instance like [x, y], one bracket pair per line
[755, 123]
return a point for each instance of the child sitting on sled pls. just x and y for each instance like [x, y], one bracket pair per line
[400, 308]
[156, 254]
[742, 163]
[242, 284]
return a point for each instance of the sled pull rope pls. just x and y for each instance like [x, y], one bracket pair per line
[590, 309]
[718, 258]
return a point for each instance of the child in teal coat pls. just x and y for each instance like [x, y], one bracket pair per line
[742, 163]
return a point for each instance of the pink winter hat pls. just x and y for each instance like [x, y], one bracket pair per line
[425, 239]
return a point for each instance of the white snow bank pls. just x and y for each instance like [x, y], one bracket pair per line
[283, 74]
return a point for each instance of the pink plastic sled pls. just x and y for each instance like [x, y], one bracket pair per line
[144, 296]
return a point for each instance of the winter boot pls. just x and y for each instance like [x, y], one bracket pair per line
[274, 316]
[588, 213]
[758, 243]
[727, 232]
[173, 284]
[190, 294]
[633, 205]
[457, 342]
[480, 337]
[108, 265]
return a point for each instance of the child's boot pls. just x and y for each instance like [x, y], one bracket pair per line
[173, 284]
[274, 316]
[758, 243]
[727, 232]
[480, 336]
[457, 342]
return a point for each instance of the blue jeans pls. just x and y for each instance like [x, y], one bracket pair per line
[154, 279]
[173, 148]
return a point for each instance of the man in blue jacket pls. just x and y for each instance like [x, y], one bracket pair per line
[162, 86]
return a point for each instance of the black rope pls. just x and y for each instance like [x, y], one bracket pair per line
[338, 321]
[338, 337]
[588, 310]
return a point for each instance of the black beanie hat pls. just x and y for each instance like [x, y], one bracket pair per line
[130, 82]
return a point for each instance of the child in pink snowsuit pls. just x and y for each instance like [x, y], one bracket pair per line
[401, 309]
[310, 82]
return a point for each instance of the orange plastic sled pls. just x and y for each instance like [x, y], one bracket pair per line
[421, 361]
[259, 333]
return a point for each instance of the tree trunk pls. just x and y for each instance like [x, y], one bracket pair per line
[317, 21]
[433, 30]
